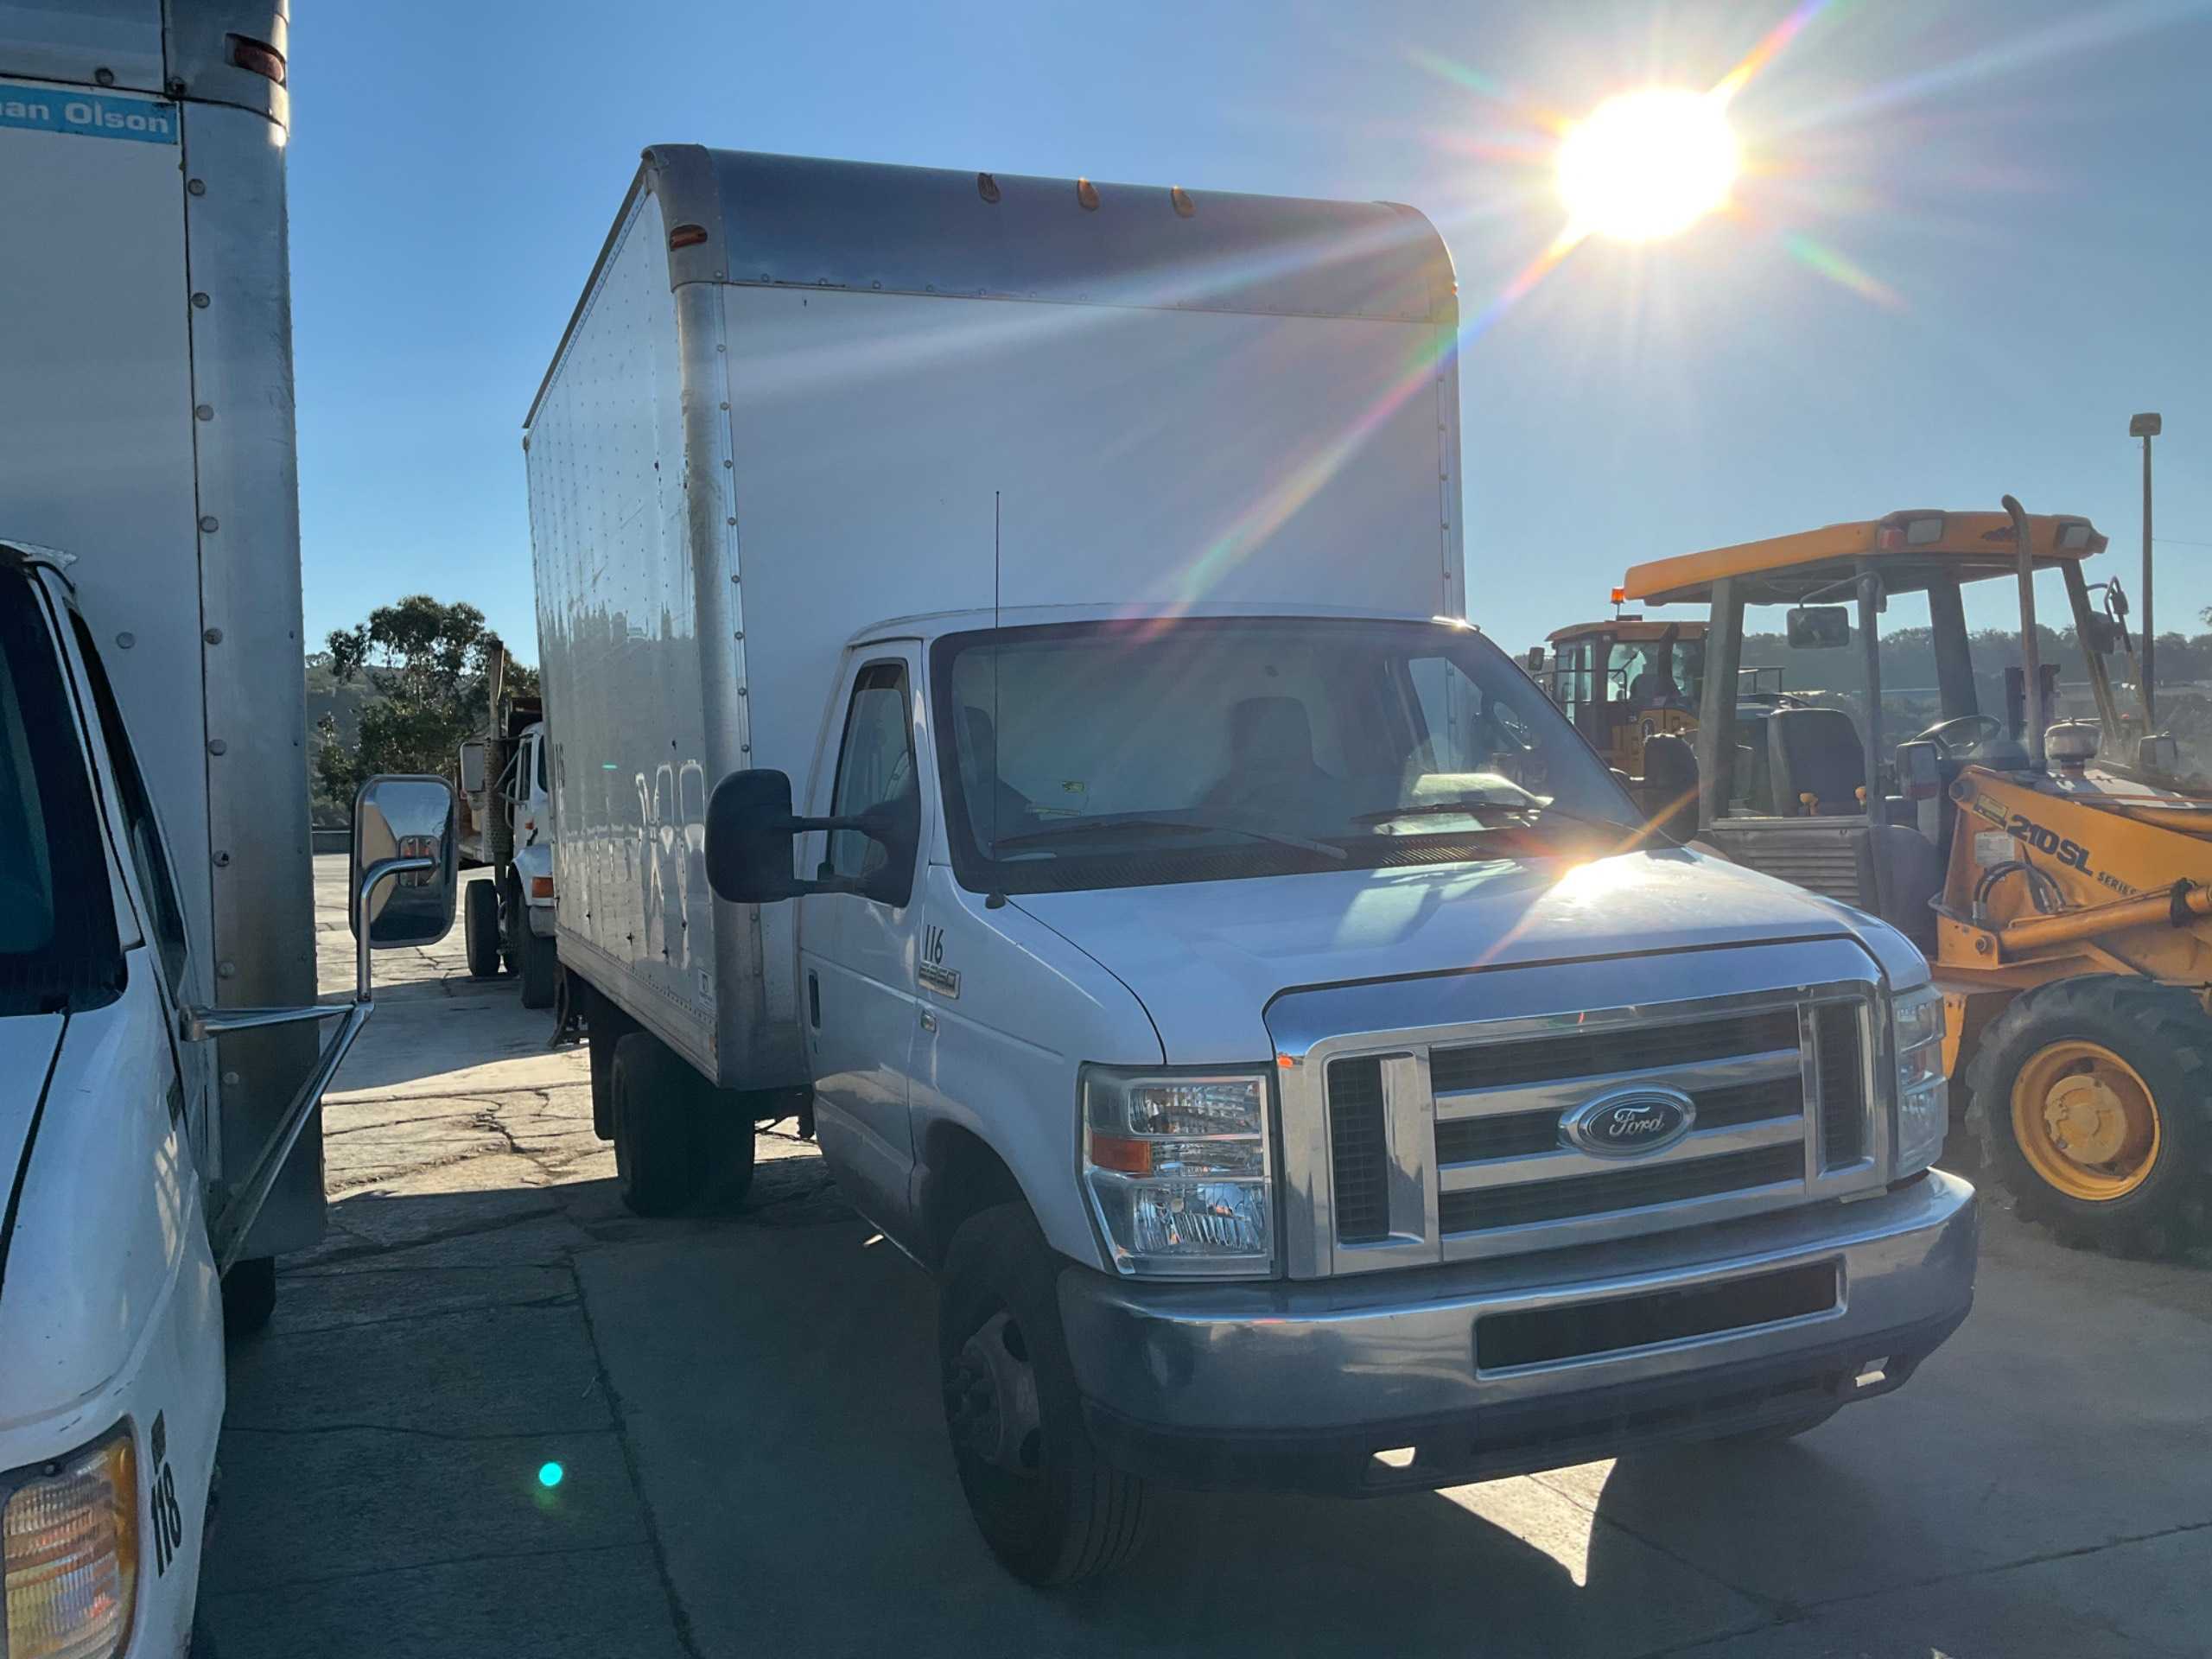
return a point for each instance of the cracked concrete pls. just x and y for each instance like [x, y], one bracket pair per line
[743, 1408]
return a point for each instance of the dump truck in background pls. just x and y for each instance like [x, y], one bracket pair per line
[160, 1074]
[507, 826]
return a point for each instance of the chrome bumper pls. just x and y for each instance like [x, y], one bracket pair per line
[1297, 1385]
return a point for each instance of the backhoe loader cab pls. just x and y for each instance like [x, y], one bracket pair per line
[1626, 681]
[2060, 881]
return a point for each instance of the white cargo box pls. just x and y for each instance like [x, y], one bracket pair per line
[799, 398]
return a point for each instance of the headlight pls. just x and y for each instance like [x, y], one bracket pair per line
[1178, 1170]
[1923, 1098]
[69, 1541]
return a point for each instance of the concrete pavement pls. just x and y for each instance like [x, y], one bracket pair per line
[744, 1410]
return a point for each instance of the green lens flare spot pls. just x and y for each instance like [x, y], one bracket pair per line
[548, 1475]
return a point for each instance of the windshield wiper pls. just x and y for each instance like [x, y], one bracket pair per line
[1097, 827]
[1469, 808]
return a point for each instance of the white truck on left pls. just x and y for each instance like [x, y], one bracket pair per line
[160, 1067]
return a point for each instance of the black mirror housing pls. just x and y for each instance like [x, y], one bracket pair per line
[1820, 627]
[750, 832]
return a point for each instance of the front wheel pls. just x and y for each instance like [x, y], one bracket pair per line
[2093, 1100]
[1049, 1505]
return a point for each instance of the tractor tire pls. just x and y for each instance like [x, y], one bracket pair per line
[540, 963]
[2091, 1099]
[656, 1098]
[1050, 1506]
[480, 929]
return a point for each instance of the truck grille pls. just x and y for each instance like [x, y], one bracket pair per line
[1780, 1095]
[1593, 1053]
[1480, 1211]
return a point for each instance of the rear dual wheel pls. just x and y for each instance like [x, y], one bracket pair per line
[2093, 1099]
[674, 1131]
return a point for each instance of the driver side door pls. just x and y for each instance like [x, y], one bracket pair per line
[859, 954]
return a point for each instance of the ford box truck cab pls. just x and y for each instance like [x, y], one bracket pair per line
[1188, 937]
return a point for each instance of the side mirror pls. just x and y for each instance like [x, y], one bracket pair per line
[472, 766]
[1820, 627]
[405, 817]
[750, 832]
[1535, 660]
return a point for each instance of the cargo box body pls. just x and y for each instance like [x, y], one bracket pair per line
[800, 397]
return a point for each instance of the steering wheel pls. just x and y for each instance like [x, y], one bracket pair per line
[1951, 737]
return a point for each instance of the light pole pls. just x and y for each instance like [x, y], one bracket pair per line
[2147, 427]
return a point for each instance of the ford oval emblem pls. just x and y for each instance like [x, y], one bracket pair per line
[1629, 1122]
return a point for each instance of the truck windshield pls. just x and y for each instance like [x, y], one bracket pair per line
[58, 947]
[1132, 752]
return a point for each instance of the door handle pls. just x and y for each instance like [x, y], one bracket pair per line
[814, 999]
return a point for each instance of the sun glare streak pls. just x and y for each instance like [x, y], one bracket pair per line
[2079, 33]
[1770, 46]
[1819, 258]
[1523, 284]
[1473, 81]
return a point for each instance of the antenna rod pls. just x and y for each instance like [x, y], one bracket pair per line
[997, 645]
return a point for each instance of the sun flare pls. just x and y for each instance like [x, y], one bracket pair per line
[1648, 164]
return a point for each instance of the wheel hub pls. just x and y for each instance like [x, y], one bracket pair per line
[990, 1396]
[2085, 1120]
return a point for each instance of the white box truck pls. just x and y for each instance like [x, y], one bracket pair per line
[159, 1068]
[1204, 951]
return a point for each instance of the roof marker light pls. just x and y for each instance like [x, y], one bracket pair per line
[1184, 207]
[258, 57]
[1087, 193]
[987, 186]
[686, 236]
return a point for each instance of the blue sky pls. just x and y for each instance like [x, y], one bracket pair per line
[1974, 236]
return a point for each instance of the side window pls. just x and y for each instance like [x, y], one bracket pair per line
[875, 765]
[147, 853]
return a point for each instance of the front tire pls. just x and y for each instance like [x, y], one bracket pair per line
[540, 963]
[480, 929]
[1049, 1505]
[655, 1099]
[2093, 1100]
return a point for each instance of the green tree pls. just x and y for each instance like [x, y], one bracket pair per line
[423, 662]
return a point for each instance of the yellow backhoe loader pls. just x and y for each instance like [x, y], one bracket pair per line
[2057, 873]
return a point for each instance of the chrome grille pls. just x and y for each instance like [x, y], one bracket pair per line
[1447, 1144]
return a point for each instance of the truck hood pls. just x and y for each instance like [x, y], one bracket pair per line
[109, 1213]
[1205, 957]
[27, 1045]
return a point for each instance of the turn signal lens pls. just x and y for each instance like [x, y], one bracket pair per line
[541, 886]
[70, 1544]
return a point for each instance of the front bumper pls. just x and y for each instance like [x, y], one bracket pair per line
[1297, 1386]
